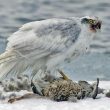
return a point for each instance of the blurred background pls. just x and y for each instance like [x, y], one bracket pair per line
[14, 13]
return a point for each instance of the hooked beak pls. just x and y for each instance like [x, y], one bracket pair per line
[95, 27]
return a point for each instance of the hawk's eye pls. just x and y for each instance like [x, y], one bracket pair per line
[91, 21]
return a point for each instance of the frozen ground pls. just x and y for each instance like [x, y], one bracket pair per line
[103, 103]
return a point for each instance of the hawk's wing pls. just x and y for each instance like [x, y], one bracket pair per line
[36, 40]
[42, 38]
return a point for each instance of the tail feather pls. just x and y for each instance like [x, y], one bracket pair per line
[5, 69]
[11, 65]
[7, 56]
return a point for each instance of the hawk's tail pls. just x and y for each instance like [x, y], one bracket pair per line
[11, 64]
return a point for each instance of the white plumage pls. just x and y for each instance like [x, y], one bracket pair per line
[44, 45]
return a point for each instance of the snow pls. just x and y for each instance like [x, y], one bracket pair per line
[101, 103]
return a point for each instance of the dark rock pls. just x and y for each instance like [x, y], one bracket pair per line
[108, 94]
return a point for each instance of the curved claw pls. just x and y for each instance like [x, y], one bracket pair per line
[95, 91]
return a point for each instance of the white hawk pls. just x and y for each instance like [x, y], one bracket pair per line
[45, 44]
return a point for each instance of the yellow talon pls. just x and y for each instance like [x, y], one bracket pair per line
[64, 76]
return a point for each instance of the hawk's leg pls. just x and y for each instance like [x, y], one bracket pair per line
[37, 89]
[38, 85]
[63, 75]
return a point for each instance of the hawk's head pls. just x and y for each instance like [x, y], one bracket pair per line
[93, 22]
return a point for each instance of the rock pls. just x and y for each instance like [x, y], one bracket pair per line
[108, 94]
